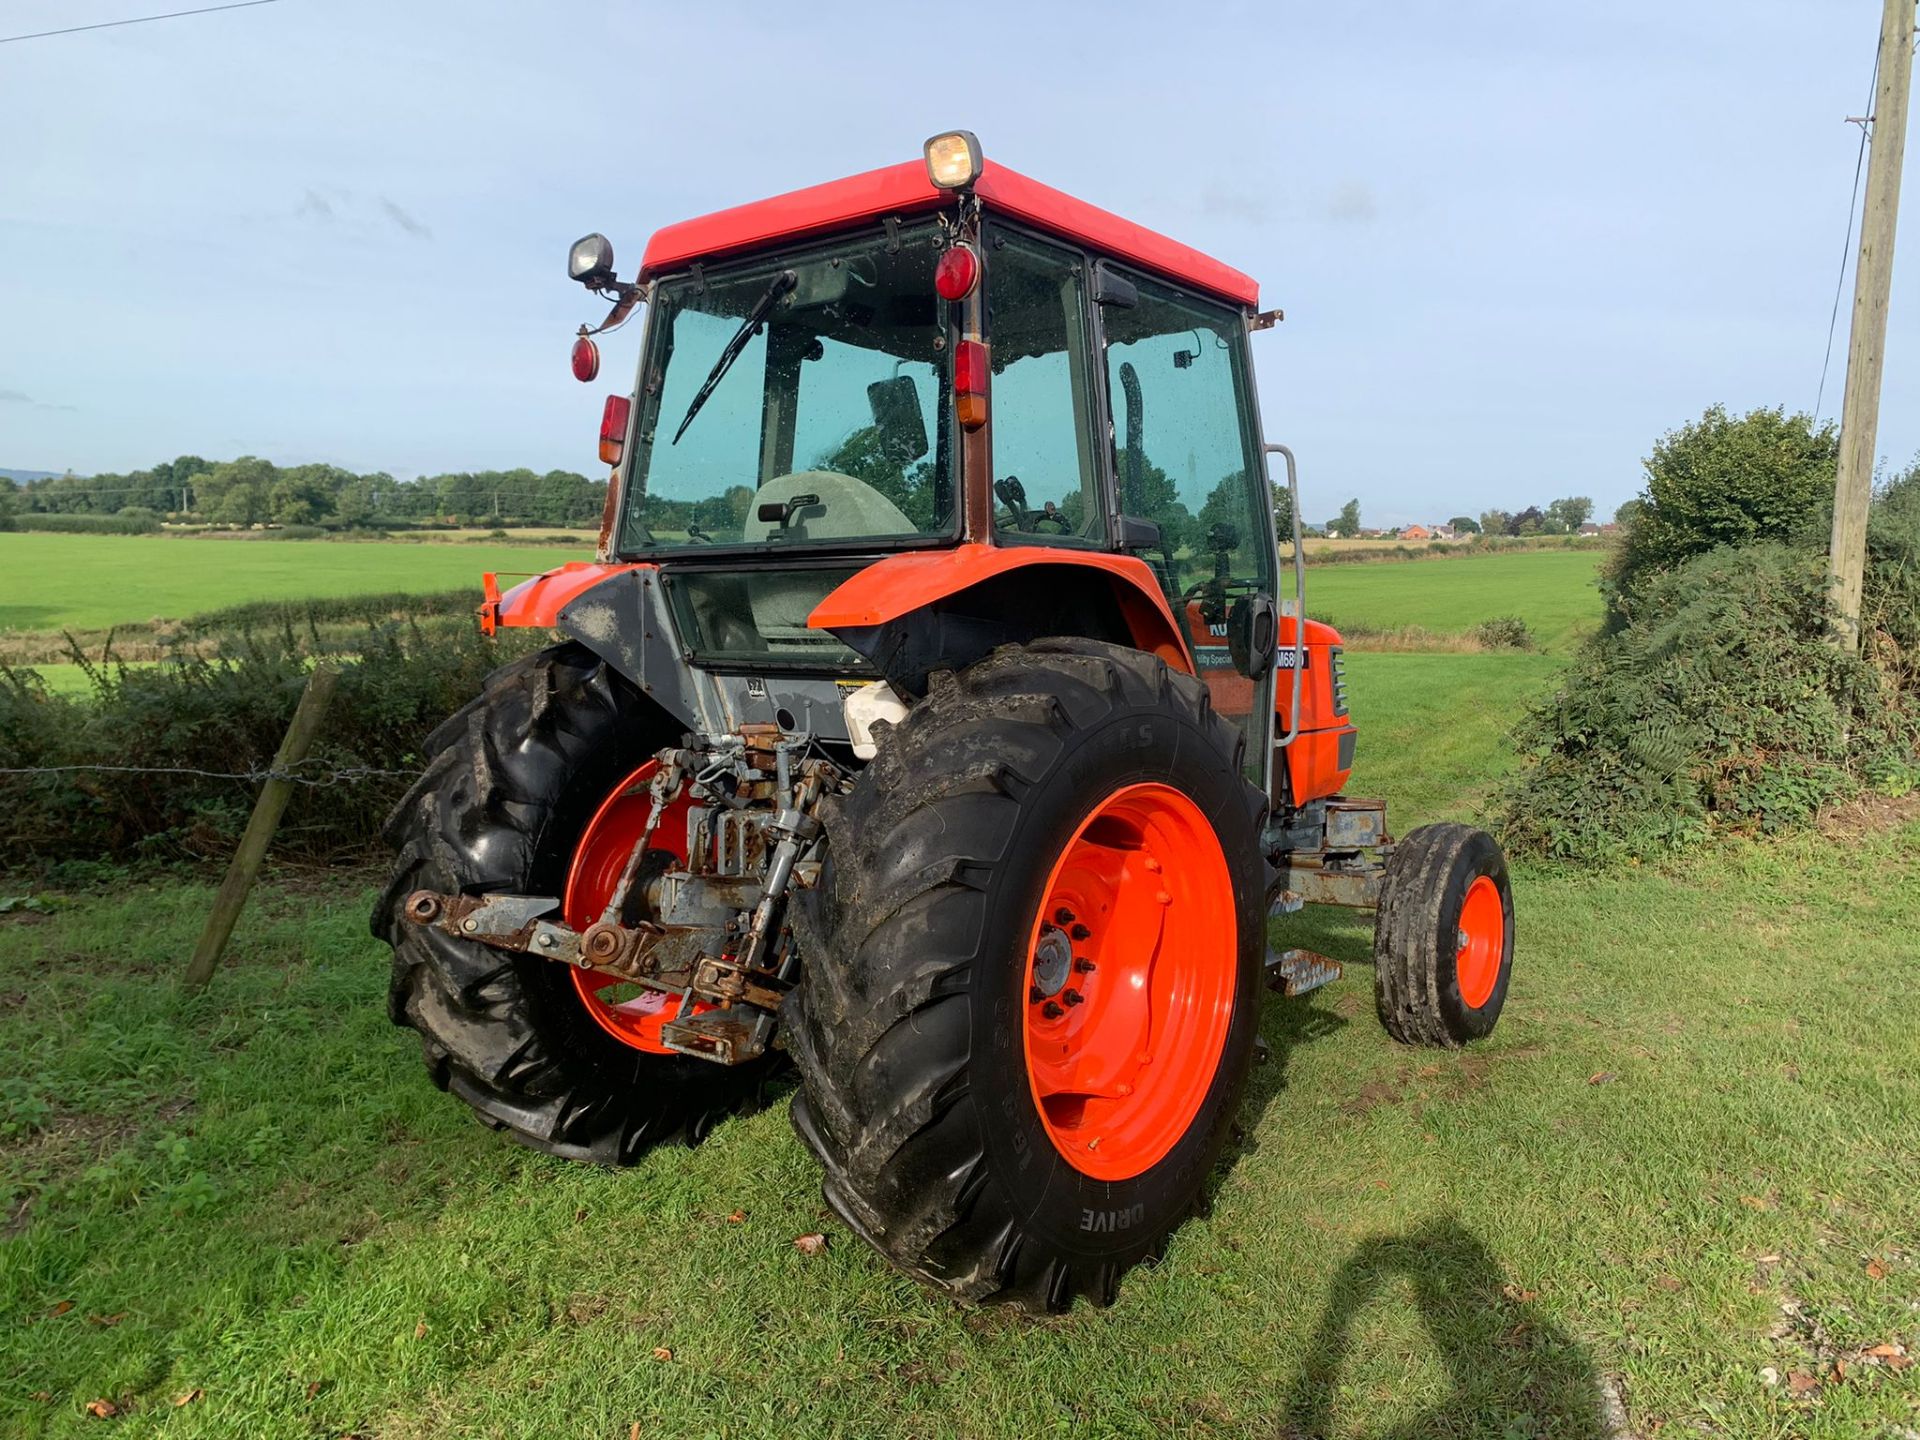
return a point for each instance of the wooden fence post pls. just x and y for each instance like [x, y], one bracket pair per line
[267, 810]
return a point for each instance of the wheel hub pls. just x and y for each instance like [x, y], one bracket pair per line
[1052, 963]
[1131, 981]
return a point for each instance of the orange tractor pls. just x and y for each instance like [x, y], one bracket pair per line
[930, 719]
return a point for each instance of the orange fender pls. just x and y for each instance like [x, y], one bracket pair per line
[537, 601]
[901, 584]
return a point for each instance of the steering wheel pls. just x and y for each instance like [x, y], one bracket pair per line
[1012, 494]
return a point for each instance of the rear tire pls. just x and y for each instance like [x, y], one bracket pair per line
[1443, 937]
[910, 1023]
[511, 782]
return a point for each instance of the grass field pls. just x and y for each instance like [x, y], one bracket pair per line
[1553, 591]
[54, 582]
[1685, 1170]
[1687, 1157]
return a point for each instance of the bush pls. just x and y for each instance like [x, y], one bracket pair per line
[1890, 608]
[88, 524]
[223, 715]
[1503, 632]
[1720, 707]
[1764, 477]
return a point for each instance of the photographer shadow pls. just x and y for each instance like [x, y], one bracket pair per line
[1512, 1371]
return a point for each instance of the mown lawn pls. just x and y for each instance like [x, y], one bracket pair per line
[1686, 1161]
[55, 582]
[1552, 590]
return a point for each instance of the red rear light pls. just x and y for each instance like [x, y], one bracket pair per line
[957, 272]
[586, 360]
[613, 428]
[970, 384]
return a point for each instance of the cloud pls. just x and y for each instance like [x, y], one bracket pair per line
[1352, 204]
[405, 221]
[20, 397]
[1230, 204]
[316, 205]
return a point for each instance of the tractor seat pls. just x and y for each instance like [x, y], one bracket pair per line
[846, 509]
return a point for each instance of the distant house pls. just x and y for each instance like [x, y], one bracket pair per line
[1416, 532]
[1443, 532]
[1371, 534]
[1590, 528]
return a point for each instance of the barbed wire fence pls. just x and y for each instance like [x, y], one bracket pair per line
[293, 774]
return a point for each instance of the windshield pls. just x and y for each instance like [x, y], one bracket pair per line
[825, 423]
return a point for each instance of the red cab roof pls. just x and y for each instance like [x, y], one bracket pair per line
[904, 190]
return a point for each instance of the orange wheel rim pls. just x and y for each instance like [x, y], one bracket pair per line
[1481, 944]
[1130, 973]
[630, 1013]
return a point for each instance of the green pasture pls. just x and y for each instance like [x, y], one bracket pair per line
[1685, 1163]
[91, 582]
[1552, 590]
[58, 582]
[1684, 1174]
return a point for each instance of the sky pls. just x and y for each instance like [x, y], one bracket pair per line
[1515, 242]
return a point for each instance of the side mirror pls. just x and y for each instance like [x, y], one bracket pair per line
[1133, 533]
[901, 427]
[1253, 625]
[1110, 287]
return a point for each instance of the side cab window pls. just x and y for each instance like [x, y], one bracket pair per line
[1186, 455]
[1185, 451]
[1046, 481]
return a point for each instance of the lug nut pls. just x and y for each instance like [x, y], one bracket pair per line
[1083, 965]
[1051, 1010]
[1073, 997]
[1063, 916]
[1080, 932]
[1035, 994]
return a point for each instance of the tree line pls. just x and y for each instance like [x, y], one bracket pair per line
[1560, 517]
[252, 491]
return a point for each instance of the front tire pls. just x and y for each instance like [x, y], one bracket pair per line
[512, 782]
[951, 1089]
[1443, 937]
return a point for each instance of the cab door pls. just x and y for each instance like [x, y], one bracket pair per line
[1185, 454]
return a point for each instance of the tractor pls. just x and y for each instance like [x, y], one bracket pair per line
[933, 720]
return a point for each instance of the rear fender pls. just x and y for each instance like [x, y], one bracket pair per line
[912, 615]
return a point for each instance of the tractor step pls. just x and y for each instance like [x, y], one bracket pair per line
[1295, 972]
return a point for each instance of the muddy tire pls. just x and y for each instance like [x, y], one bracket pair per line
[510, 784]
[1443, 937]
[923, 999]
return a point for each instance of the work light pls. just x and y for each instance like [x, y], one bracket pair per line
[590, 261]
[953, 159]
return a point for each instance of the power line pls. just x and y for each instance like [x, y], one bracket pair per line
[1846, 246]
[137, 20]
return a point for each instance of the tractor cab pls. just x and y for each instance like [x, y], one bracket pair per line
[943, 405]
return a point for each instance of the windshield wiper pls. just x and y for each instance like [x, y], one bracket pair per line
[782, 283]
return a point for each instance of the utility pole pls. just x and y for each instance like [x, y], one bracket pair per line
[1867, 340]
